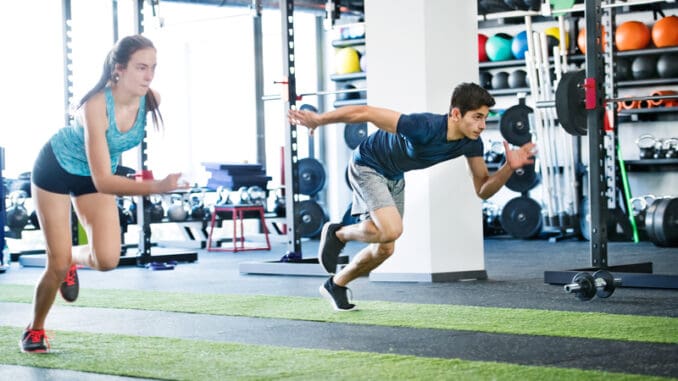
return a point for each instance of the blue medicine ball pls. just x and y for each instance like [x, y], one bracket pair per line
[498, 47]
[519, 45]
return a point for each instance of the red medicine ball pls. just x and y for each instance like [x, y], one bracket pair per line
[482, 54]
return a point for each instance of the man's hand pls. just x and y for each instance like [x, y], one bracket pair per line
[521, 156]
[304, 118]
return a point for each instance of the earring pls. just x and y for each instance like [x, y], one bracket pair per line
[116, 77]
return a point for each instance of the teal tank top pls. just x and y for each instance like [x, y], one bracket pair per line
[69, 142]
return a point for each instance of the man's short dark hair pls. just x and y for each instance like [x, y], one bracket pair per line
[469, 96]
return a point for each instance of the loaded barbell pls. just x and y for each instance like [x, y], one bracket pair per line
[575, 95]
[585, 286]
[317, 93]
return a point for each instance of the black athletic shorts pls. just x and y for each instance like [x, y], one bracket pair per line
[50, 176]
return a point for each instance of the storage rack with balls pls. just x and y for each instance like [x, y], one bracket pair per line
[551, 215]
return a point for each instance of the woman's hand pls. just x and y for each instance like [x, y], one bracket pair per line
[171, 182]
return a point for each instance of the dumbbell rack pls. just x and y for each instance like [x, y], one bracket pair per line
[637, 274]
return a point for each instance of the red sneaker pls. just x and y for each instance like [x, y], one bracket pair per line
[34, 341]
[70, 287]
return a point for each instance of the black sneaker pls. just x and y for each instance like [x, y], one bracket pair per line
[70, 287]
[34, 341]
[337, 295]
[330, 247]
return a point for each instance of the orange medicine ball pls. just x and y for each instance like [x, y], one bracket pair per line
[665, 32]
[581, 39]
[632, 35]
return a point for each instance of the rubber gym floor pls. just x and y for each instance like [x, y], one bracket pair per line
[205, 320]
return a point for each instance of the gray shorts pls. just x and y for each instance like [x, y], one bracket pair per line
[372, 191]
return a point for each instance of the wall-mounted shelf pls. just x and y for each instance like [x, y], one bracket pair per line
[648, 114]
[651, 165]
[648, 82]
[348, 77]
[518, 63]
[347, 43]
[644, 52]
[510, 91]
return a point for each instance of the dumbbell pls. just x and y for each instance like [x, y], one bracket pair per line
[585, 286]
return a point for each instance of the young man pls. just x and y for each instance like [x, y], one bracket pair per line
[376, 173]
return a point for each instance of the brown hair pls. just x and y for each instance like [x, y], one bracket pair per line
[470, 96]
[120, 55]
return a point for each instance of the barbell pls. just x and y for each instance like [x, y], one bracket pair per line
[317, 93]
[575, 95]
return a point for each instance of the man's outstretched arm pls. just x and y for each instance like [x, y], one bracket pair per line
[382, 118]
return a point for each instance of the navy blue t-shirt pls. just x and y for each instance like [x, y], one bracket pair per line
[420, 142]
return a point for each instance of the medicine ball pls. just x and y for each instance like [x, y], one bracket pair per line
[482, 54]
[485, 80]
[363, 63]
[347, 96]
[623, 69]
[519, 45]
[553, 38]
[667, 66]
[644, 67]
[517, 79]
[665, 32]
[632, 35]
[347, 60]
[581, 39]
[533, 5]
[498, 47]
[500, 80]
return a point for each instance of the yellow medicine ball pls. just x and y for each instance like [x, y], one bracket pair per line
[554, 32]
[347, 60]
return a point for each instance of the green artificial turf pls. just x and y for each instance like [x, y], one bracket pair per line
[590, 325]
[181, 359]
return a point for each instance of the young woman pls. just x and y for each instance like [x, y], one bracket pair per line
[77, 166]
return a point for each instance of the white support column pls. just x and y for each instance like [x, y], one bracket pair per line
[419, 51]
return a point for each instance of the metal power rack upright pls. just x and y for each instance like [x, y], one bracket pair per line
[602, 163]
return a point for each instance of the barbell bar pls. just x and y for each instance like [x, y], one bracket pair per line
[318, 93]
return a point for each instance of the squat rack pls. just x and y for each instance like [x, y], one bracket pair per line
[292, 262]
[600, 155]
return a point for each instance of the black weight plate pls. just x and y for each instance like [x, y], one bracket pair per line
[308, 107]
[311, 176]
[651, 226]
[607, 290]
[311, 218]
[570, 96]
[587, 284]
[521, 217]
[666, 222]
[524, 179]
[354, 134]
[514, 124]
